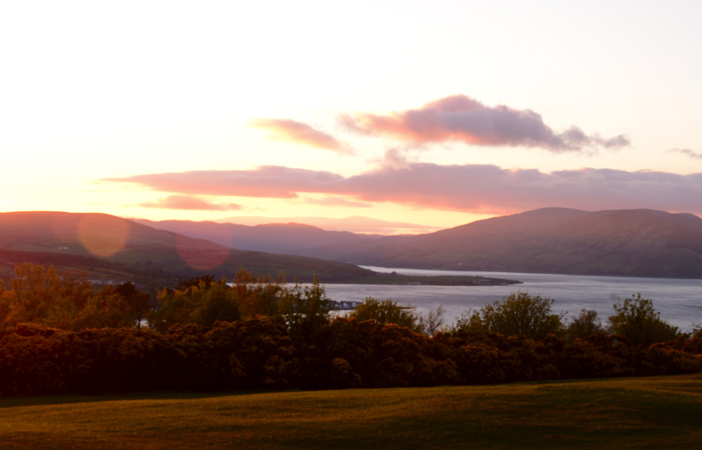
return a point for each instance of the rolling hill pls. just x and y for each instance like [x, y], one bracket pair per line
[551, 240]
[275, 237]
[640, 242]
[116, 240]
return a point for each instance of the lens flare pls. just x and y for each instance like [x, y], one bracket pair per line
[197, 257]
[103, 235]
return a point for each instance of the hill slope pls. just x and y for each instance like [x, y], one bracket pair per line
[123, 241]
[551, 240]
[274, 237]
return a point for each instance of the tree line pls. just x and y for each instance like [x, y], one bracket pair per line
[59, 336]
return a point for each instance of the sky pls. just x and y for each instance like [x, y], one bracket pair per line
[422, 114]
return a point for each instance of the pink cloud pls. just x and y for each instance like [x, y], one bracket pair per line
[189, 203]
[337, 201]
[477, 188]
[461, 118]
[302, 133]
[264, 181]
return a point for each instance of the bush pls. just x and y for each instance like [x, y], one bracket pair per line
[253, 353]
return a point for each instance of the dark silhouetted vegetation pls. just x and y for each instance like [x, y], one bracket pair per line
[518, 313]
[583, 326]
[67, 301]
[637, 320]
[60, 336]
[388, 311]
[384, 312]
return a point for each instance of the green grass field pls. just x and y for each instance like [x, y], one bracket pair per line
[660, 412]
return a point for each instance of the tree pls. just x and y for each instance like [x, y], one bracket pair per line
[388, 311]
[139, 302]
[583, 326]
[257, 294]
[638, 321]
[518, 313]
[67, 301]
[432, 322]
[201, 304]
[385, 312]
[106, 309]
[305, 305]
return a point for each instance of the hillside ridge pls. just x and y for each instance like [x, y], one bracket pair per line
[118, 240]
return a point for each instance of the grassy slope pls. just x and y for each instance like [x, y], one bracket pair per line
[660, 412]
[93, 268]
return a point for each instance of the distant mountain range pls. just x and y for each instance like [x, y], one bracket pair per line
[41, 237]
[290, 238]
[354, 224]
[640, 242]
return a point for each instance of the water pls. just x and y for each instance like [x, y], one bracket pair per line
[679, 301]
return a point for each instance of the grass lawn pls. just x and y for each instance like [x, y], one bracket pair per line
[635, 413]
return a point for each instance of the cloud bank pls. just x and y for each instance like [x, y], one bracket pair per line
[185, 202]
[264, 182]
[461, 118]
[301, 133]
[472, 187]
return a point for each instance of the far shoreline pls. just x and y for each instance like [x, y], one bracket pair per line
[395, 279]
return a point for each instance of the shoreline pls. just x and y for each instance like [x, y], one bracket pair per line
[394, 279]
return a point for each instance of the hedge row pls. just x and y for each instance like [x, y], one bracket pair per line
[261, 354]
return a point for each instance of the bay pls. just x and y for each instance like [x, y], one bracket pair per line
[678, 300]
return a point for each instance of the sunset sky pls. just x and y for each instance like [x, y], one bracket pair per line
[432, 113]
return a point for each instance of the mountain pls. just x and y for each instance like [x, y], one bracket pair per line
[275, 237]
[551, 240]
[354, 224]
[116, 240]
[639, 242]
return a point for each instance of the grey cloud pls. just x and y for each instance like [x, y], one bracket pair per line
[688, 152]
[461, 118]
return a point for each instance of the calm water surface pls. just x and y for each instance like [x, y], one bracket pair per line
[679, 301]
